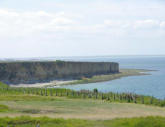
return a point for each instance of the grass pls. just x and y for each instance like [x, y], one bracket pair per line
[2, 85]
[18, 94]
[68, 104]
[108, 77]
[3, 108]
[63, 107]
[48, 122]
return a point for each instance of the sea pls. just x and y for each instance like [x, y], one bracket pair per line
[152, 85]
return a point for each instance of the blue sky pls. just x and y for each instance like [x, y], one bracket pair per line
[43, 28]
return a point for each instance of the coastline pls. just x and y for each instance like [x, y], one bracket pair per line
[109, 77]
[96, 78]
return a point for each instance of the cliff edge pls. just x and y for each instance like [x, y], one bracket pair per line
[33, 72]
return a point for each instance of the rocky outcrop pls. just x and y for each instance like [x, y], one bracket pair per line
[32, 72]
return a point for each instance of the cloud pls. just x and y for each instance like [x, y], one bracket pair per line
[14, 23]
[111, 23]
[61, 24]
[117, 23]
[135, 24]
[24, 23]
[162, 24]
[52, 27]
[147, 24]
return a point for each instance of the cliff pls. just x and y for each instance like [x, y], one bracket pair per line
[32, 72]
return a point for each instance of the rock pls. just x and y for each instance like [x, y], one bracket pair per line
[34, 72]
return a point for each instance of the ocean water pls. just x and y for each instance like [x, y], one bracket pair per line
[153, 85]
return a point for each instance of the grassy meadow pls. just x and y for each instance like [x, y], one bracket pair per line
[49, 122]
[68, 108]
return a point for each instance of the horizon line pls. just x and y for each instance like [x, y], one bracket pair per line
[75, 56]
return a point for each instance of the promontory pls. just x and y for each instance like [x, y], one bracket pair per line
[45, 71]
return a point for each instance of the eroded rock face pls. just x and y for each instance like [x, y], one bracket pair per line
[32, 72]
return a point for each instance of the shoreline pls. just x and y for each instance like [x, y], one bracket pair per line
[94, 79]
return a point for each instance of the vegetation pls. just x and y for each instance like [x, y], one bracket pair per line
[90, 108]
[108, 77]
[48, 122]
[3, 108]
[63, 107]
[6, 93]
[2, 85]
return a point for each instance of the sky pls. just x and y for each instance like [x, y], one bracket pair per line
[47, 28]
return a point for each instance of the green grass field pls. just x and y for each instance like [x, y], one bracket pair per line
[63, 107]
[25, 107]
[48, 122]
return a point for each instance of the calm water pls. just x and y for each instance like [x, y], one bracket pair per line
[153, 85]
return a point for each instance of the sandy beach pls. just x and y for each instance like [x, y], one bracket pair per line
[47, 84]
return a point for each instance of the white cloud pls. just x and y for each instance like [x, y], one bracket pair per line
[147, 24]
[65, 27]
[14, 23]
[5, 13]
[111, 23]
[162, 24]
[136, 24]
[117, 24]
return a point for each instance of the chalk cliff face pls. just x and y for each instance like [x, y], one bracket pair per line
[32, 72]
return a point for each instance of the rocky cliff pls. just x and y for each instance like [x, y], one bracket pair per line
[32, 72]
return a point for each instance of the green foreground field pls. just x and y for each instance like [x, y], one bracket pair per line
[65, 112]
[62, 107]
[49, 122]
[29, 107]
